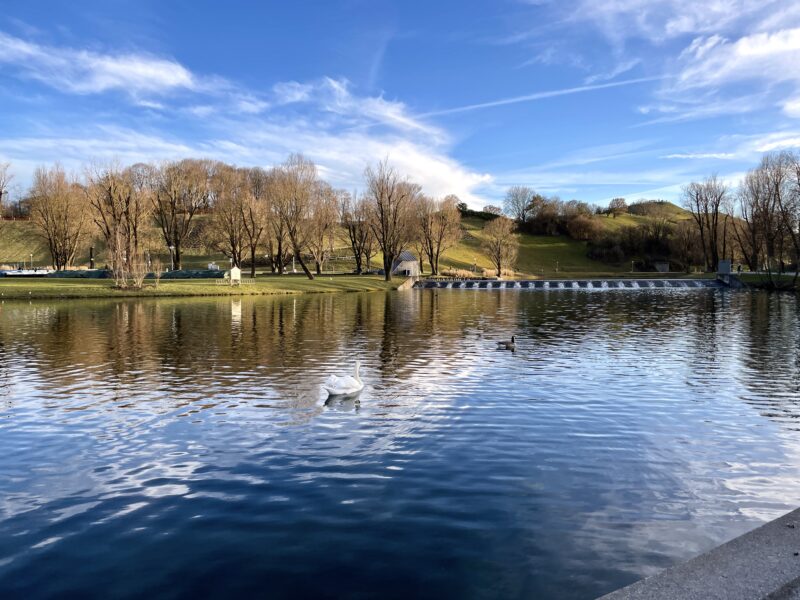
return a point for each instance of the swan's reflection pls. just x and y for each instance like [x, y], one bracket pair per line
[343, 403]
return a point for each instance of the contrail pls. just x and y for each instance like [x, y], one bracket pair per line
[538, 96]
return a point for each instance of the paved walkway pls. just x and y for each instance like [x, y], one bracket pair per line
[761, 564]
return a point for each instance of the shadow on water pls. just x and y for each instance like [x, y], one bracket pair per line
[184, 447]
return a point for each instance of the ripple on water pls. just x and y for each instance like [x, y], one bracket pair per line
[154, 442]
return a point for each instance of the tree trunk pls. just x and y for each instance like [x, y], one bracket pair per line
[308, 273]
[252, 262]
[318, 267]
[280, 256]
[177, 257]
[387, 267]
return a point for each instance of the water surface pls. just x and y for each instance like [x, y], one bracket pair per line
[183, 448]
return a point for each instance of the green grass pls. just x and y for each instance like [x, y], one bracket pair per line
[539, 255]
[759, 280]
[11, 289]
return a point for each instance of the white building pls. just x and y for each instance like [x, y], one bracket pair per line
[406, 265]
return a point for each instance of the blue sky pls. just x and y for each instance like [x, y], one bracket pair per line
[585, 99]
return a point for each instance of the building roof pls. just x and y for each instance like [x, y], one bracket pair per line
[405, 256]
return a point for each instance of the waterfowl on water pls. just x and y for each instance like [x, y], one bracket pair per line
[346, 385]
[507, 345]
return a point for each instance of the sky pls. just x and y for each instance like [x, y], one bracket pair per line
[588, 99]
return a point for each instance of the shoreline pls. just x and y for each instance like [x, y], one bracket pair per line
[55, 288]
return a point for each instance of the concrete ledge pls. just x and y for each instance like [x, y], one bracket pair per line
[764, 563]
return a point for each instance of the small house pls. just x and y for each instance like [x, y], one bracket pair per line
[235, 276]
[405, 265]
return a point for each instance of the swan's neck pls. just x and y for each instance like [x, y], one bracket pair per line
[356, 374]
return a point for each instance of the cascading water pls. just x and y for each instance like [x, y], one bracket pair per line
[596, 284]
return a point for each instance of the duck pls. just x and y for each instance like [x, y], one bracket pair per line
[346, 385]
[506, 345]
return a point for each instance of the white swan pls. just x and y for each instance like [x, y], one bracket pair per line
[348, 385]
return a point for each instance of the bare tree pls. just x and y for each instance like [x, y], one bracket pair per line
[58, 210]
[229, 189]
[5, 181]
[617, 206]
[120, 207]
[787, 193]
[704, 200]
[255, 211]
[354, 215]
[684, 244]
[439, 228]
[277, 240]
[492, 209]
[181, 190]
[501, 243]
[391, 200]
[323, 219]
[294, 203]
[517, 203]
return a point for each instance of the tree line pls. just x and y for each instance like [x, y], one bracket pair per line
[285, 213]
[756, 223]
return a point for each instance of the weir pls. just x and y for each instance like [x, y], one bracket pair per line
[571, 284]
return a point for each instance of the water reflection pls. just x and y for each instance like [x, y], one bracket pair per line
[628, 431]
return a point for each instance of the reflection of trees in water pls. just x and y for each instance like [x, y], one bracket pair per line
[771, 354]
[266, 346]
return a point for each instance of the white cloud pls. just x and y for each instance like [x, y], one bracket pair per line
[86, 72]
[287, 92]
[714, 61]
[792, 108]
[660, 20]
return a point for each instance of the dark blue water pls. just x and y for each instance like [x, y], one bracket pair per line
[183, 449]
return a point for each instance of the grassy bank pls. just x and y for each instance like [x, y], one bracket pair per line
[15, 289]
[762, 281]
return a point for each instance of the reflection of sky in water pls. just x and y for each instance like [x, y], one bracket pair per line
[628, 431]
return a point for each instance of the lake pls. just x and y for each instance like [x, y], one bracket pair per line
[183, 448]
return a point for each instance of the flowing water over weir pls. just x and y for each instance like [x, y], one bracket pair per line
[575, 284]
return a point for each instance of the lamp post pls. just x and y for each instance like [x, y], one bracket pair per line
[171, 257]
[31, 260]
[631, 266]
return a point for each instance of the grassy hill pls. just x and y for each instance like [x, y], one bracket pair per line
[554, 256]
[541, 256]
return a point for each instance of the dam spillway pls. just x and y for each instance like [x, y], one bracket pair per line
[570, 284]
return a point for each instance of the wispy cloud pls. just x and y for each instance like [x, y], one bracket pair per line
[86, 72]
[618, 70]
[539, 96]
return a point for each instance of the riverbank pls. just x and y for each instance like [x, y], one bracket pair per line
[53, 288]
[762, 281]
